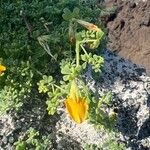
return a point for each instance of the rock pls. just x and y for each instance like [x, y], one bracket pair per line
[129, 31]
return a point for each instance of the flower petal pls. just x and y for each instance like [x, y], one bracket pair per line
[2, 68]
[77, 109]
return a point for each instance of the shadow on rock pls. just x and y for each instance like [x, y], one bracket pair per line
[68, 143]
[148, 101]
[127, 125]
[144, 131]
[116, 67]
[127, 121]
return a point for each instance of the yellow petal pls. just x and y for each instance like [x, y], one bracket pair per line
[77, 109]
[2, 68]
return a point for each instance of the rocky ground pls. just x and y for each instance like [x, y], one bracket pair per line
[129, 30]
[131, 97]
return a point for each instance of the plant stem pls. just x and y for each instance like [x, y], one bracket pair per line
[86, 41]
[59, 88]
[84, 49]
[52, 88]
[77, 53]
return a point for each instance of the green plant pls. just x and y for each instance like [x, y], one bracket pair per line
[91, 147]
[15, 86]
[33, 141]
[72, 70]
[69, 69]
[99, 116]
[113, 145]
[54, 93]
[110, 144]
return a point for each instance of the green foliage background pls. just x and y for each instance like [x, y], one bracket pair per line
[22, 22]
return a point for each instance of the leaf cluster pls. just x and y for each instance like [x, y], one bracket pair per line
[109, 144]
[54, 93]
[93, 38]
[99, 116]
[95, 60]
[69, 69]
[15, 86]
[68, 15]
[113, 145]
[91, 147]
[33, 141]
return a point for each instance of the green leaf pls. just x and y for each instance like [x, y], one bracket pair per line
[67, 14]
[107, 98]
[67, 11]
[20, 145]
[66, 77]
[76, 11]
[52, 105]
[66, 69]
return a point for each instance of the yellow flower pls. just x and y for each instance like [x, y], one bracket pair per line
[76, 106]
[2, 68]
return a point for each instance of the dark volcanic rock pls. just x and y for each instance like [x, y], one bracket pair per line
[129, 31]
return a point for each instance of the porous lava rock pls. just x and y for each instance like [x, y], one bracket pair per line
[129, 30]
